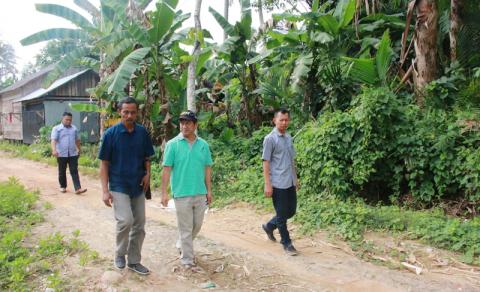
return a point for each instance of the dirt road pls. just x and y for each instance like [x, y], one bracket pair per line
[232, 249]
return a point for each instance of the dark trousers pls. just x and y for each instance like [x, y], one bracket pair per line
[285, 204]
[72, 163]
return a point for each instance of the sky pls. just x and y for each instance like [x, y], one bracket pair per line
[19, 19]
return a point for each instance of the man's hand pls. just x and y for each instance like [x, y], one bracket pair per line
[107, 198]
[55, 153]
[165, 200]
[268, 190]
[297, 185]
[145, 182]
[209, 198]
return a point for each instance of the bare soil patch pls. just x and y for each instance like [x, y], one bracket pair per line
[232, 250]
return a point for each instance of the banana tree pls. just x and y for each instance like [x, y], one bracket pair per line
[311, 49]
[150, 66]
[87, 31]
[314, 47]
[101, 26]
[236, 51]
[374, 70]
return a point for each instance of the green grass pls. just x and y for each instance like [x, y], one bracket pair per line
[350, 219]
[22, 265]
[88, 163]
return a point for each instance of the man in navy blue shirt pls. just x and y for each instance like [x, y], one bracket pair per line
[125, 175]
[66, 148]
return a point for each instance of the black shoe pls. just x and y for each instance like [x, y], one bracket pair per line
[119, 262]
[290, 250]
[268, 232]
[139, 268]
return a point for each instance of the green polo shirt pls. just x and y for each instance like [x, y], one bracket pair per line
[188, 162]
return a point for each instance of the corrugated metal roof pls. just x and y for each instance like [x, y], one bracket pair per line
[42, 91]
[27, 79]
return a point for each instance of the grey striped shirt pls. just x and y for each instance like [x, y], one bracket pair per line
[278, 150]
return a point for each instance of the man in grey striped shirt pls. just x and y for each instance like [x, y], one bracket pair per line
[280, 178]
[66, 148]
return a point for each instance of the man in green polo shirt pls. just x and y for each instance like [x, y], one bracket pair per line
[187, 165]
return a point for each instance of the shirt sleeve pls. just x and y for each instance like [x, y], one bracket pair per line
[168, 155]
[208, 154]
[267, 149]
[77, 134]
[55, 134]
[294, 153]
[105, 152]
[149, 151]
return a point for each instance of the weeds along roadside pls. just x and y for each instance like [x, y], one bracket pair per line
[26, 262]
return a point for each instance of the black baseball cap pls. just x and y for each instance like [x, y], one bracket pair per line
[188, 116]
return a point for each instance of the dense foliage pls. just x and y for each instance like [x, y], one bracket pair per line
[386, 149]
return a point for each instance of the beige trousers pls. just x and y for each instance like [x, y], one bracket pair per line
[190, 212]
[130, 229]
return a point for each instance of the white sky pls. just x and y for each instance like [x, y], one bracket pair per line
[19, 19]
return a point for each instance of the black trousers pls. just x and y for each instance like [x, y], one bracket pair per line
[72, 163]
[285, 204]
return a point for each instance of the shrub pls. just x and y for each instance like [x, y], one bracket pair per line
[343, 152]
[383, 149]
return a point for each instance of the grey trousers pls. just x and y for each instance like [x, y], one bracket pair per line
[190, 213]
[130, 229]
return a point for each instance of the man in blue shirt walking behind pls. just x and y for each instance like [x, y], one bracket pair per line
[280, 178]
[125, 176]
[65, 143]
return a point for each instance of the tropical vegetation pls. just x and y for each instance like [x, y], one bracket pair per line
[384, 95]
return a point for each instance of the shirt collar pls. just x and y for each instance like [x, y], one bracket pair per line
[181, 137]
[276, 131]
[124, 129]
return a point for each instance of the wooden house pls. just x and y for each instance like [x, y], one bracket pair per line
[26, 107]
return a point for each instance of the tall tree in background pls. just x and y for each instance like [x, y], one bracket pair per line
[455, 24]
[226, 7]
[193, 62]
[260, 12]
[426, 50]
[7, 65]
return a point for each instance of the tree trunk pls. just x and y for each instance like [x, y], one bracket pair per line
[226, 6]
[102, 73]
[193, 63]
[260, 12]
[455, 23]
[426, 46]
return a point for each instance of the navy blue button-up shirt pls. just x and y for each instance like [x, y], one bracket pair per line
[66, 138]
[126, 152]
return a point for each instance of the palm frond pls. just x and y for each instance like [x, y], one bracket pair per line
[468, 46]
